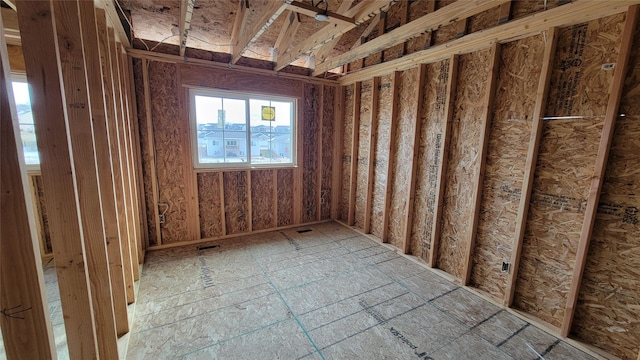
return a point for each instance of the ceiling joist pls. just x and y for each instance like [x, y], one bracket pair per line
[362, 12]
[246, 36]
[287, 33]
[449, 14]
[186, 12]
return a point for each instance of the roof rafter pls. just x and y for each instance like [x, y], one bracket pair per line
[362, 12]
[449, 14]
[245, 36]
[288, 31]
[324, 51]
[186, 12]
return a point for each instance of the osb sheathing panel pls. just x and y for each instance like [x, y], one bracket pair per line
[285, 197]
[363, 153]
[327, 151]
[212, 19]
[263, 208]
[402, 153]
[147, 157]
[431, 129]
[210, 204]
[517, 83]
[565, 166]
[168, 138]
[381, 153]
[310, 159]
[394, 20]
[607, 310]
[484, 20]
[236, 201]
[463, 161]
[447, 32]
[346, 152]
[42, 211]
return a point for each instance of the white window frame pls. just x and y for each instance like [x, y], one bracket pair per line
[246, 96]
[31, 168]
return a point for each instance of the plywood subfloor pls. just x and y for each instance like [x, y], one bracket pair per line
[317, 292]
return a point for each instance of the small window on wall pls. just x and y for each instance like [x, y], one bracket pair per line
[25, 122]
[241, 130]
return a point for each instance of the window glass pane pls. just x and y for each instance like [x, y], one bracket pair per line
[271, 131]
[25, 121]
[221, 125]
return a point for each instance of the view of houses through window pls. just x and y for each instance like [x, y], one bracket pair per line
[236, 129]
[25, 121]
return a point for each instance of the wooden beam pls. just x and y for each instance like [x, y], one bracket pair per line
[93, 60]
[443, 154]
[223, 221]
[443, 16]
[175, 59]
[395, 98]
[355, 140]
[485, 128]
[119, 161]
[287, 33]
[415, 147]
[309, 10]
[297, 171]
[530, 165]
[240, 23]
[361, 12]
[151, 151]
[114, 20]
[319, 175]
[578, 11]
[263, 21]
[338, 140]
[324, 51]
[186, 12]
[373, 136]
[249, 203]
[123, 131]
[505, 13]
[26, 326]
[615, 95]
[59, 170]
[74, 74]
[11, 4]
[372, 26]
[461, 27]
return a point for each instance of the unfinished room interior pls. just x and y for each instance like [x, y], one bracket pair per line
[320, 179]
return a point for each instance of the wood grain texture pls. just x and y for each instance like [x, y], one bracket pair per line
[310, 161]
[263, 208]
[210, 203]
[347, 136]
[363, 158]
[327, 158]
[236, 204]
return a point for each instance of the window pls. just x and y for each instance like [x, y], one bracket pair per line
[241, 130]
[25, 122]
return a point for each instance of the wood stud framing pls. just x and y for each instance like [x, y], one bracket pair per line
[395, 98]
[151, 150]
[338, 137]
[373, 130]
[615, 95]
[415, 146]
[21, 277]
[357, 90]
[485, 128]
[444, 155]
[532, 156]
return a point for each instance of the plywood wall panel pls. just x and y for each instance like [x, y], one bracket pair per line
[236, 200]
[363, 153]
[346, 151]
[310, 161]
[210, 204]
[285, 197]
[607, 309]
[515, 97]
[328, 126]
[403, 155]
[263, 208]
[484, 20]
[463, 159]
[145, 155]
[579, 87]
[433, 125]
[169, 150]
[381, 154]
